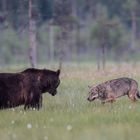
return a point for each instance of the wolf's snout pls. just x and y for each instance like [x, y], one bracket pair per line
[89, 99]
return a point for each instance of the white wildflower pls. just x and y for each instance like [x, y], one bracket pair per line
[73, 105]
[20, 112]
[45, 138]
[34, 109]
[44, 127]
[29, 126]
[69, 127]
[14, 136]
[51, 120]
[130, 107]
[12, 122]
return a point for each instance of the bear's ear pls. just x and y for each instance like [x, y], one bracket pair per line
[58, 72]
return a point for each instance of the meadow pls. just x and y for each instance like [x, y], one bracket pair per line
[69, 116]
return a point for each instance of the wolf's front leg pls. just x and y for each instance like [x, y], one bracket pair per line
[110, 99]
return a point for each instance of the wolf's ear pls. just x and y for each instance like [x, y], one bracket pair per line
[58, 72]
[101, 89]
[89, 86]
[98, 89]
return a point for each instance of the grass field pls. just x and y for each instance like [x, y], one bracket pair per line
[69, 116]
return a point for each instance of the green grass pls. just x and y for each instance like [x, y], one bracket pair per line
[69, 116]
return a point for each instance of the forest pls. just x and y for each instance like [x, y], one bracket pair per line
[41, 31]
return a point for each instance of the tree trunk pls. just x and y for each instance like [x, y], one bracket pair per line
[74, 8]
[3, 11]
[103, 57]
[32, 37]
[76, 37]
[98, 58]
[134, 28]
[62, 43]
[51, 28]
[104, 39]
[4, 5]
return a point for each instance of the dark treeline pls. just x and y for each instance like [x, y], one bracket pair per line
[70, 30]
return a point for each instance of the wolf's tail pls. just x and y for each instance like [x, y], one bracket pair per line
[138, 94]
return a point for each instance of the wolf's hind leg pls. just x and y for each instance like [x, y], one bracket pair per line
[132, 95]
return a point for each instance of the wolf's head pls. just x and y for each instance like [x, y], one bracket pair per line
[97, 92]
[93, 94]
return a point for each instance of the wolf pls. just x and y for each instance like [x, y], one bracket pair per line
[26, 87]
[110, 90]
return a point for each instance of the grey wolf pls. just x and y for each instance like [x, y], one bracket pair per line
[110, 90]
